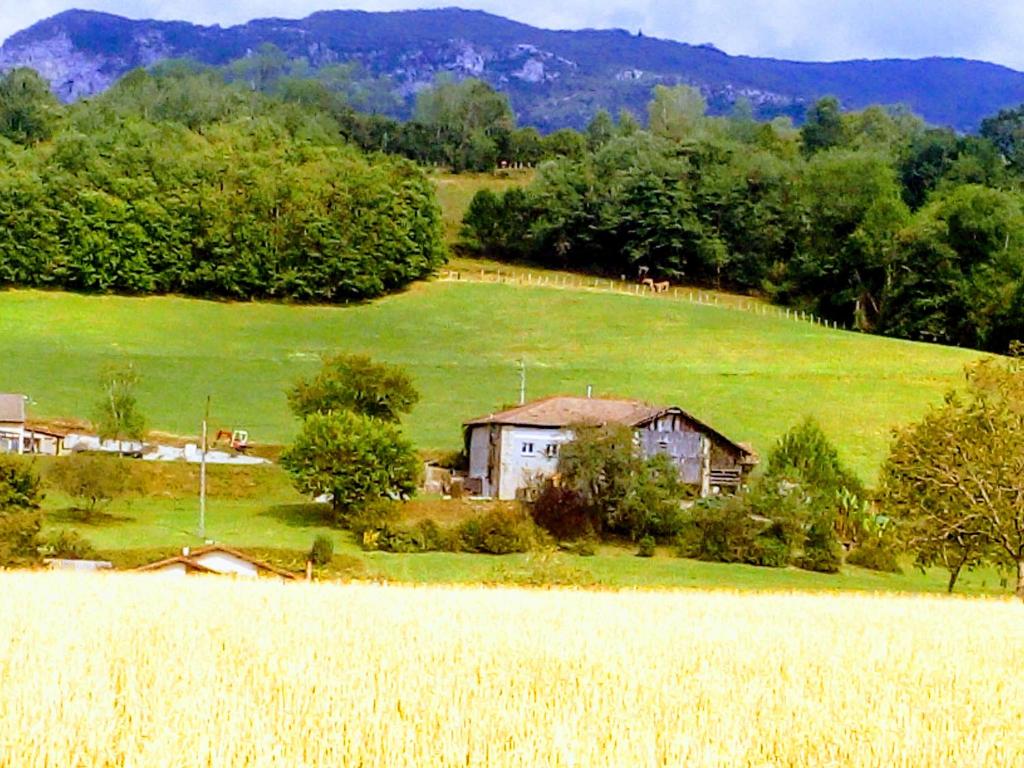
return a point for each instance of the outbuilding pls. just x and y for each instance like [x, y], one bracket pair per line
[215, 559]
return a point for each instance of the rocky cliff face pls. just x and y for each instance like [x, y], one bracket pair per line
[554, 79]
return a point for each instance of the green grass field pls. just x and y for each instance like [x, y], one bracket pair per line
[749, 375]
[278, 524]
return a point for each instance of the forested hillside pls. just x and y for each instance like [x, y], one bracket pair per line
[178, 183]
[871, 219]
[554, 79]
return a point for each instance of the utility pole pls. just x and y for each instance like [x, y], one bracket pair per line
[522, 381]
[202, 473]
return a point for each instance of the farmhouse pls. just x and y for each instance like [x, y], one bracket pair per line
[215, 559]
[507, 450]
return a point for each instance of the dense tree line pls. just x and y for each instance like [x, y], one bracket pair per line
[870, 219]
[176, 182]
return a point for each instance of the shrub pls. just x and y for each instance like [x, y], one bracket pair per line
[91, 480]
[322, 551]
[876, 555]
[20, 517]
[562, 512]
[68, 545]
[733, 530]
[500, 531]
[646, 547]
[584, 547]
[822, 552]
[543, 569]
[373, 516]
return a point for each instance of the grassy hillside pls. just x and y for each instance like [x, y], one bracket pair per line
[752, 376]
[455, 192]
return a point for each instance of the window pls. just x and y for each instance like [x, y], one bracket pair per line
[551, 450]
[527, 449]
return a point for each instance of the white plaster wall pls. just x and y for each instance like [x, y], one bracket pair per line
[222, 562]
[518, 468]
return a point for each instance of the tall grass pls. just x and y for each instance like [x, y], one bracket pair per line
[150, 671]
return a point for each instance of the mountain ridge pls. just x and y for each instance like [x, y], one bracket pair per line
[554, 78]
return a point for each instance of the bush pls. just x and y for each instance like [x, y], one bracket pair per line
[646, 547]
[731, 530]
[822, 552]
[91, 480]
[20, 517]
[68, 545]
[584, 547]
[544, 569]
[322, 551]
[562, 512]
[876, 555]
[373, 516]
[499, 531]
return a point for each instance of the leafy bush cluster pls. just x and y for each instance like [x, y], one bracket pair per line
[802, 511]
[499, 531]
[252, 200]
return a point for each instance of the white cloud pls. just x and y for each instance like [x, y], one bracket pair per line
[798, 29]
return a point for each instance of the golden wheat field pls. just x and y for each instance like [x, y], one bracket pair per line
[128, 670]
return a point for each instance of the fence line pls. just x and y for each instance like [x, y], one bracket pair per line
[621, 288]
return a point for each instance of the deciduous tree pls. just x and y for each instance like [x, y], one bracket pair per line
[955, 479]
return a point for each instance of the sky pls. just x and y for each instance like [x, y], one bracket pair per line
[807, 30]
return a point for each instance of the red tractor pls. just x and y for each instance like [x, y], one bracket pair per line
[238, 439]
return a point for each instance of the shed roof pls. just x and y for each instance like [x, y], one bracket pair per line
[191, 562]
[12, 408]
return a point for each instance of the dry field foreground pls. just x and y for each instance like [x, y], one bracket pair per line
[142, 671]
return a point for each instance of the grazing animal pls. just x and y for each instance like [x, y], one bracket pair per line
[647, 283]
[661, 287]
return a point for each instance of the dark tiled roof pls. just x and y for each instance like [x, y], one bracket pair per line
[564, 411]
[12, 408]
